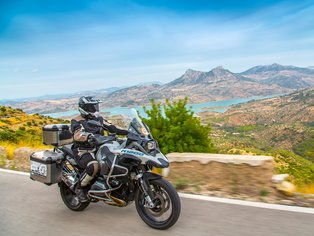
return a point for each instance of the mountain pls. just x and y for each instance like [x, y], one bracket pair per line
[285, 76]
[192, 77]
[132, 96]
[216, 84]
[198, 86]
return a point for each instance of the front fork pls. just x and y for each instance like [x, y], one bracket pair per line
[143, 182]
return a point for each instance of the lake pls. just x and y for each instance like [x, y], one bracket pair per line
[216, 106]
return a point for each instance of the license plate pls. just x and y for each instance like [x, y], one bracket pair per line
[38, 169]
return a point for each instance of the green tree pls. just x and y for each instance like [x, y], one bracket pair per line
[176, 128]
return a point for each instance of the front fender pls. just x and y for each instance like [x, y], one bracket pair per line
[150, 176]
[160, 161]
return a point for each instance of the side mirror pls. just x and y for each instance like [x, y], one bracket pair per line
[94, 123]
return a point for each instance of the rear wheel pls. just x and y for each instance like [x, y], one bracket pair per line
[167, 207]
[70, 199]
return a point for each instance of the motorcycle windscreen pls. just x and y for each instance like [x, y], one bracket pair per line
[138, 124]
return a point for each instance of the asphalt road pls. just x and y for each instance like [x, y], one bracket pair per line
[31, 208]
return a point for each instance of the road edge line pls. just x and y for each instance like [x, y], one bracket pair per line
[271, 206]
[14, 172]
[264, 205]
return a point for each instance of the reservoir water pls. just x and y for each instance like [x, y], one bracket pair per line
[216, 106]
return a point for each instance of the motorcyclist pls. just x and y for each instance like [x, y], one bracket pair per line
[85, 141]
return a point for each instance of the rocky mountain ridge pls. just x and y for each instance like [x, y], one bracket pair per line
[216, 84]
[285, 76]
[220, 83]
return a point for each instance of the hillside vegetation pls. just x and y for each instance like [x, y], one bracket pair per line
[282, 127]
[20, 129]
[285, 122]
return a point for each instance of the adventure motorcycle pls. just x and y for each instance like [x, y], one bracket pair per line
[125, 174]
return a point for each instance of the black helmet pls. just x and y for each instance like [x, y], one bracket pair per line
[88, 105]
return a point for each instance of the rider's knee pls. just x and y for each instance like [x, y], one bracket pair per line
[93, 168]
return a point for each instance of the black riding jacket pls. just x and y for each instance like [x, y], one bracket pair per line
[81, 130]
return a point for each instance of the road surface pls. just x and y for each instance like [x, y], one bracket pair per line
[31, 208]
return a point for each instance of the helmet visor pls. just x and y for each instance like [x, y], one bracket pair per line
[92, 108]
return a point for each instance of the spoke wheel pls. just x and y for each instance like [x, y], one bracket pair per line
[70, 199]
[167, 206]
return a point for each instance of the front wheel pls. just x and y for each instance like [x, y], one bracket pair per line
[167, 207]
[70, 199]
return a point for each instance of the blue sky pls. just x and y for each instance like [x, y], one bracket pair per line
[52, 47]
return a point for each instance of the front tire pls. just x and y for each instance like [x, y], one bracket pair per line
[167, 202]
[70, 199]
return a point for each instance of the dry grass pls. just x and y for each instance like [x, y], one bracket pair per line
[10, 150]
[10, 147]
[308, 189]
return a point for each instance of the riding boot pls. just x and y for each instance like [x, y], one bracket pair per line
[81, 193]
[81, 187]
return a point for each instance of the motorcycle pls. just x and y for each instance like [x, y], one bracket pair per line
[126, 173]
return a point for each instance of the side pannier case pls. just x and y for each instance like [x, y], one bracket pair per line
[46, 167]
[57, 134]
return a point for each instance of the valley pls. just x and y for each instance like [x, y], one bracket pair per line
[284, 122]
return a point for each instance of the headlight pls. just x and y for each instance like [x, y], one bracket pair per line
[151, 145]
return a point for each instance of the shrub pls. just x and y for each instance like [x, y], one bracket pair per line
[6, 121]
[177, 129]
[7, 135]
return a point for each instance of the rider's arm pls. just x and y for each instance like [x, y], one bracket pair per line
[79, 133]
[114, 129]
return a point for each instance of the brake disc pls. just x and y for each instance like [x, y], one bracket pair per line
[162, 206]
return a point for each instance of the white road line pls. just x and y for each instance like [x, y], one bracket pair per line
[14, 172]
[220, 200]
[248, 203]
